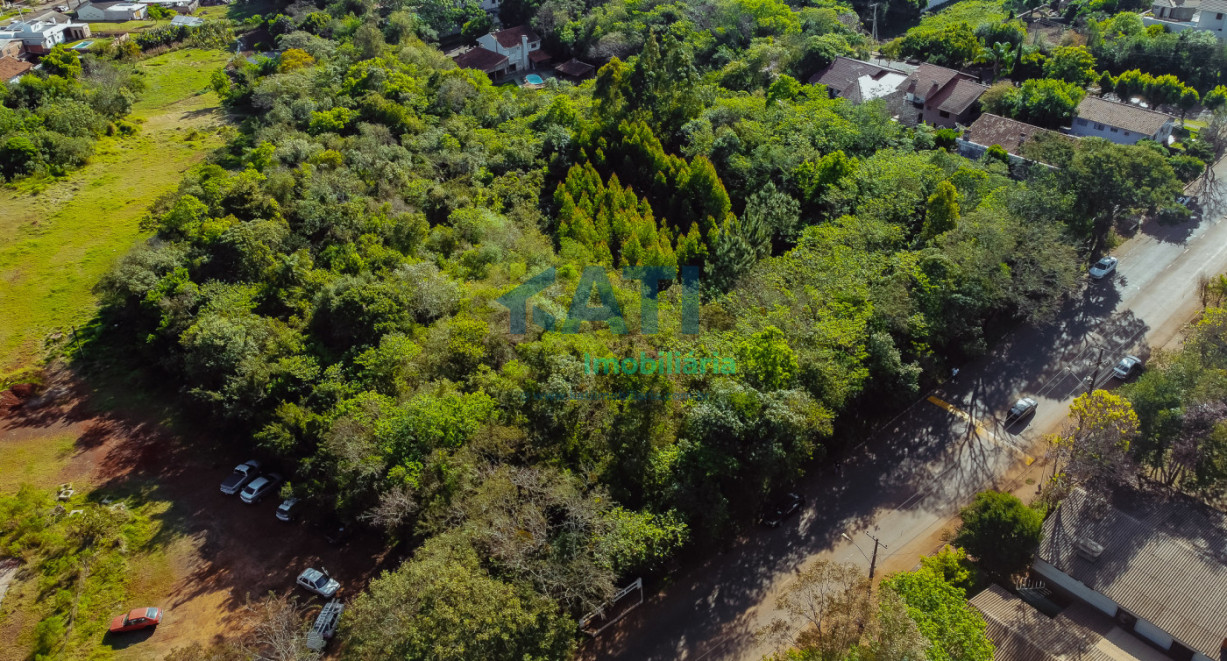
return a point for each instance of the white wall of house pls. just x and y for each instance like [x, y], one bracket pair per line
[1087, 128]
[1213, 22]
[1077, 589]
[517, 56]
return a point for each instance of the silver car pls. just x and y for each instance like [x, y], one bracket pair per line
[1126, 367]
[1022, 408]
[1103, 268]
[257, 489]
[314, 580]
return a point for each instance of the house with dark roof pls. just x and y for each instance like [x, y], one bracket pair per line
[941, 97]
[12, 48]
[1156, 565]
[858, 81]
[574, 70]
[493, 64]
[519, 44]
[1177, 15]
[1122, 123]
[1009, 134]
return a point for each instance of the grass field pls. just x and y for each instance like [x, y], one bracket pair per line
[59, 237]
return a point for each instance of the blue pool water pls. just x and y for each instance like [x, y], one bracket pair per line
[83, 45]
[533, 79]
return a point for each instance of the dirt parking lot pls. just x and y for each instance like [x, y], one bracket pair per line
[215, 552]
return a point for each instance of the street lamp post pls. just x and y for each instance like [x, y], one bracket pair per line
[873, 562]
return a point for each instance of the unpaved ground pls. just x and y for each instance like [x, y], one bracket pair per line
[215, 552]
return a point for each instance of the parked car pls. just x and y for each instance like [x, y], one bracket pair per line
[325, 626]
[288, 509]
[780, 509]
[1022, 408]
[135, 620]
[1103, 268]
[257, 489]
[243, 473]
[1126, 367]
[314, 580]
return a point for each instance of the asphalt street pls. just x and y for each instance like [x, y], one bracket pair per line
[907, 481]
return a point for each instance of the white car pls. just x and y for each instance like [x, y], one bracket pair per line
[257, 489]
[1126, 367]
[1103, 268]
[1022, 408]
[314, 580]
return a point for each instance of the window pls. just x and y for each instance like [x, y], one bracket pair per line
[1115, 130]
[943, 113]
[1218, 16]
[1098, 126]
[1082, 122]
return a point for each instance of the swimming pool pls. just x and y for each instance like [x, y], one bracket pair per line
[533, 79]
[83, 45]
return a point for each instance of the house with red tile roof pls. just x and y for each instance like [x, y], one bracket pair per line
[941, 97]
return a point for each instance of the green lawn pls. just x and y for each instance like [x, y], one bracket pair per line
[59, 237]
[972, 12]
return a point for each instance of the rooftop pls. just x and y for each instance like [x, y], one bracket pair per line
[575, 68]
[10, 68]
[1164, 559]
[510, 38]
[956, 98]
[858, 81]
[1009, 134]
[1122, 115]
[480, 59]
[930, 78]
[1021, 633]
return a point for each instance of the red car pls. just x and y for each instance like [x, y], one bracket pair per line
[141, 618]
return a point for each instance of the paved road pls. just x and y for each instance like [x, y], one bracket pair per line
[922, 466]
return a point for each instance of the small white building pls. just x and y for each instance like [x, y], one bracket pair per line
[189, 21]
[115, 12]
[520, 45]
[40, 37]
[1122, 123]
[1176, 15]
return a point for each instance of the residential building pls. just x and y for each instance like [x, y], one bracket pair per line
[858, 81]
[114, 12]
[1122, 123]
[189, 21]
[1154, 563]
[1009, 134]
[12, 69]
[1177, 15]
[574, 70]
[520, 44]
[493, 64]
[178, 6]
[49, 16]
[12, 48]
[941, 97]
[39, 37]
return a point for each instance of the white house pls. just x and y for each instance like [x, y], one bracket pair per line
[1122, 123]
[40, 37]
[112, 12]
[1177, 15]
[1154, 565]
[520, 45]
[177, 6]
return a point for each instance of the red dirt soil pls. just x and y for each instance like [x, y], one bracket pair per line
[221, 551]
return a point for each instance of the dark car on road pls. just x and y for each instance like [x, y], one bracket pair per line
[780, 509]
[1022, 408]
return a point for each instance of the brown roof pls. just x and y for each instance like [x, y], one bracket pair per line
[842, 74]
[929, 79]
[510, 38]
[539, 56]
[1122, 115]
[575, 68]
[956, 97]
[10, 68]
[480, 59]
[1164, 559]
[1021, 633]
[1009, 134]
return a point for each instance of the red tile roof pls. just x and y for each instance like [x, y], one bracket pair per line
[842, 74]
[510, 38]
[1007, 133]
[955, 98]
[1122, 115]
[539, 56]
[575, 69]
[480, 59]
[11, 68]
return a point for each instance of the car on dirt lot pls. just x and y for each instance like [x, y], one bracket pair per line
[243, 473]
[288, 509]
[1103, 268]
[135, 620]
[314, 580]
[1126, 367]
[780, 509]
[1022, 408]
[257, 489]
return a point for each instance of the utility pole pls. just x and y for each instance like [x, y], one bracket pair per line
[874, 7]
[873, 562]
